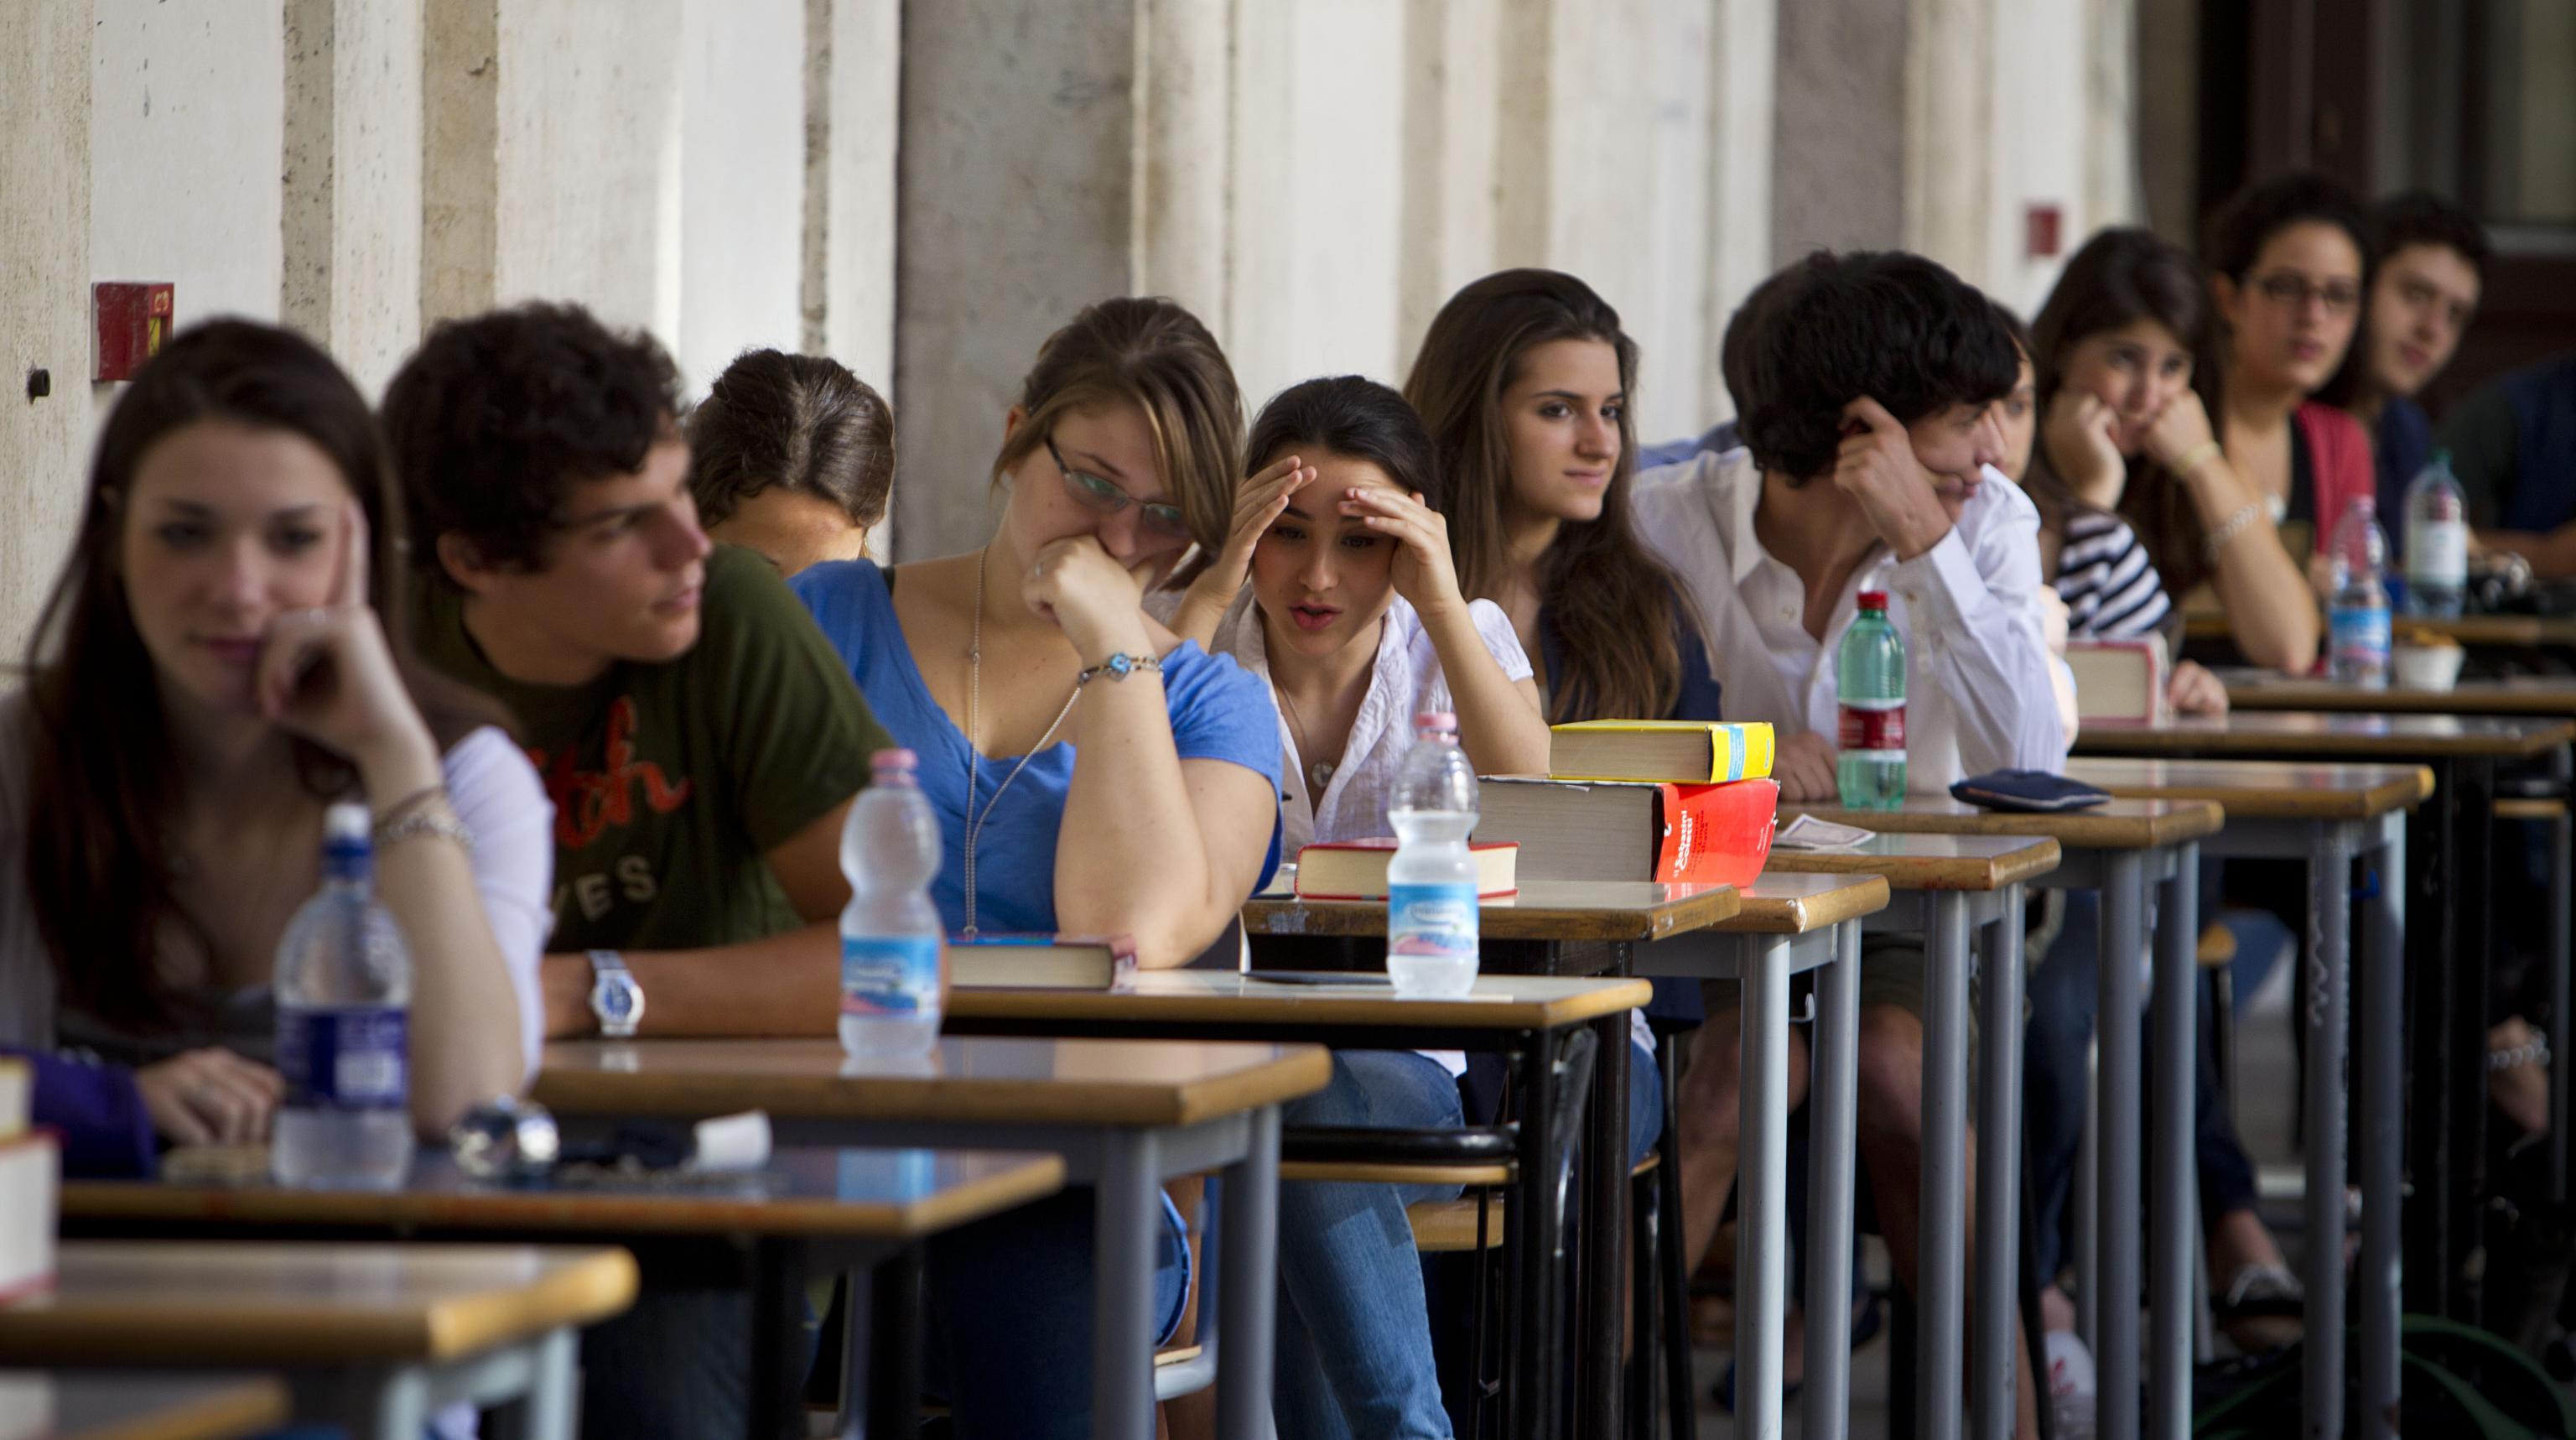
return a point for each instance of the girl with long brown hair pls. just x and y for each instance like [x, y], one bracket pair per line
[223, 655]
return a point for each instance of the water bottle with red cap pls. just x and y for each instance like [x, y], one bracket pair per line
[1869, 672]
[893, 980]
[1431, 882]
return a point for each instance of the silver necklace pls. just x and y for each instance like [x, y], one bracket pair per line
[974, 695]
[1320, 772]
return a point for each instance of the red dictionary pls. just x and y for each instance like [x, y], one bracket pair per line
[1619, 830]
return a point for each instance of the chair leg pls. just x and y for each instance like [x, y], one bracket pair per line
[1645, 1220]
[2034, 1329]
[1681, 1395]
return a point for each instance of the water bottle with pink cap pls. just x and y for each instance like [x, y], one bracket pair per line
[1431, 882]
[892, 961]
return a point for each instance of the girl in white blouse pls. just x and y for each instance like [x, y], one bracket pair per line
[1354, 616]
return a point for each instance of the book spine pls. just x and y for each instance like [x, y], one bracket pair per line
[1739, 752]
[1717, 834]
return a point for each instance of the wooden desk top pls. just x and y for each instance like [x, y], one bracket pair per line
[2503, 631]
[2116, 825]
[1930, 860]
[1543, 910]
[1780, 903]
[804, 1190]
[1224, 997]
[975, 1081]
[2551, 696]
[40, 1405]
[2308, 735]
[246, 1303]
[2264, 789]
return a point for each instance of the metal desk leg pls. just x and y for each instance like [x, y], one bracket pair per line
[1534, 1385]
[1995, 1360]
[1247, 1303]
[1762, 1187]
[2329, 926]
[1603, 1304]
[1127, 1210]
[2115, 1126]
[2378, 1287]
[1833, 1119]
[552, 1390]
[1941, 1244]
[2172, 1255]
[2562, 857]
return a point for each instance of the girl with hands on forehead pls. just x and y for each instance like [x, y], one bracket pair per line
[222, 657]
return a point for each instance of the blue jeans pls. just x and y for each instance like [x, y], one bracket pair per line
[1010, 1309]
[2064, 999]
[1354, 1353]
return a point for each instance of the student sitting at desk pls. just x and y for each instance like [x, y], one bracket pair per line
[1091, 773]
[792, 457]
[1354, 616]
[223, 655]
[700, 740]
[1866, 383]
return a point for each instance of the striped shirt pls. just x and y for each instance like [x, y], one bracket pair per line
[2108, 581]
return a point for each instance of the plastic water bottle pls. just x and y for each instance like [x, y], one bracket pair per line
[1431, 882]
[2071, 1386]
[2357, 623]
[893, 966]
[343, 985]
[2437, 541]
[1869, 671]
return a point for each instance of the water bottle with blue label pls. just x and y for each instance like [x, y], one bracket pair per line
[1431, 882]
[893, 961]
[2357, 620]
[343, 986]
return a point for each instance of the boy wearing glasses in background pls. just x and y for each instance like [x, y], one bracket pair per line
[700, 741]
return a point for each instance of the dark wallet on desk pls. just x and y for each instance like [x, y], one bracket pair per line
[2027, 790]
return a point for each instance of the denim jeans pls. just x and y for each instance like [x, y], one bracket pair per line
[2064, 998]
[1010, 1309]
[671, 1368]
[1355, 1353]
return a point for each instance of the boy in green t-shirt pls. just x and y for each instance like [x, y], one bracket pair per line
[699, 737]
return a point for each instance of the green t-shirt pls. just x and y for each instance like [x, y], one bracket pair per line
[672, 781]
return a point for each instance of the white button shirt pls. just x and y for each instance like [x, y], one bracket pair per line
[1977, 662]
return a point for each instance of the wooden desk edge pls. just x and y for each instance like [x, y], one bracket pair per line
[1800, 915]
[589, 1286]
[1947, 872]
[247, 1406]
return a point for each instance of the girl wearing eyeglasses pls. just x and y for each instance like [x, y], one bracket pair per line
[1091, 774]
[2289, 263]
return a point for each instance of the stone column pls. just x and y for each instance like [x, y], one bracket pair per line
[353, 181]
[853, 80]
[1744, 53]
[1839, 165]
[44, 300]
[460, 179]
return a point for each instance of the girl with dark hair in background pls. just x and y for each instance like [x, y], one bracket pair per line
[2124, 430]
[791, 456]
[1355, 616]
[224, 655]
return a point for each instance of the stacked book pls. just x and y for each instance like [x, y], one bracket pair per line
[1681, 802]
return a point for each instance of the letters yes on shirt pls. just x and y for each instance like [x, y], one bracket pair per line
[589, 804]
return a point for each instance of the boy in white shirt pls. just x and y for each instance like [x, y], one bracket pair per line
[1866, 384]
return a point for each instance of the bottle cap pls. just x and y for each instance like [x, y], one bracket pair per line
[346, 823]
[1436, 720]
[1873, 600]
[894, 759]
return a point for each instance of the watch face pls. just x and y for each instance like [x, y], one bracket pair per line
[615, 1001]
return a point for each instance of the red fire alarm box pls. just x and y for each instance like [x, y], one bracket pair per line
[2039, 227]
[133, 319]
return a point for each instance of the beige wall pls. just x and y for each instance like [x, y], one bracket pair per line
[44, 232]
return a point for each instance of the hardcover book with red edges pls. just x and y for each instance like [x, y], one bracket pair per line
[31, 1168]
[1625, 830]
[1356, 869]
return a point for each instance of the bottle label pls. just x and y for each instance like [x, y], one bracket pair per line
[353, 1057]
[1872, 725]
[889, 975]
[2437, 552]
[2360, 636]
[1432, 922]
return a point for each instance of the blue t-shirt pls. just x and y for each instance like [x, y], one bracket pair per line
[1219, 711]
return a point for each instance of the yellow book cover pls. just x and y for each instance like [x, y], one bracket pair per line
[1678, 752]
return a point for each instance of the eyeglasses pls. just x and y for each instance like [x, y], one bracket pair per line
[1105, 497]
[2342, 297]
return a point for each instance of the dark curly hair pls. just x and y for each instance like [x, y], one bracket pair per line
[498, 415]
[1355, 416]
[1831, 328]
[2420, 217]
[800, 422]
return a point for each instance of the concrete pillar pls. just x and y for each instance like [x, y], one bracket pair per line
[1744, 51]
[44, 300]
[1839, 173]
[1017, 207]
[742, 181]
[1184, 151]
[1452, 138]
[1950, 83]
[460, 179]
[352, 148]
[853, 81]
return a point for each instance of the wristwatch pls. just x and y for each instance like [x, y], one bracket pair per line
[614, 996]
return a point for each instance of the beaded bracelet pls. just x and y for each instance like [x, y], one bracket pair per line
[438, 821]
[2229, 529]
[2195, 457]
[2535, 1052]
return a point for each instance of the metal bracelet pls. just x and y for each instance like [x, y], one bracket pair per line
[1118, 667]
[439, 821]
[2534, 1053]
[2233, 526]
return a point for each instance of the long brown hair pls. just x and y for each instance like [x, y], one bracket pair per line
[1156, 355]
[2121, 276]
[800, 422]
[1609, 598]
[105, 779]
